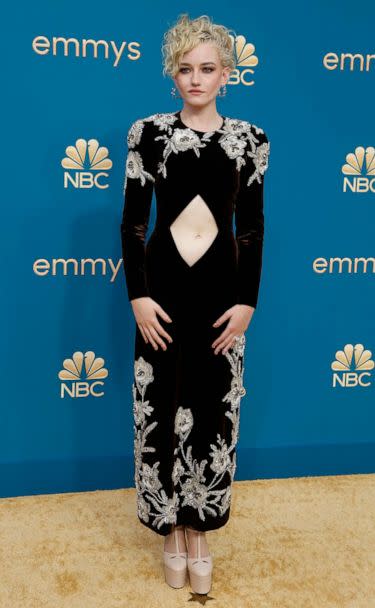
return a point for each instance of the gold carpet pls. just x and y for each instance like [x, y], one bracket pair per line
[290, 543]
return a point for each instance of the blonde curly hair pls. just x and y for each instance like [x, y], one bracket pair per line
[188, 33]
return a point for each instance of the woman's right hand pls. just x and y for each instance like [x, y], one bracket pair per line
[145, 310]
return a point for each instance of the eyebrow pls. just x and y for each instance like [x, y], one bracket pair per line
[204, 63]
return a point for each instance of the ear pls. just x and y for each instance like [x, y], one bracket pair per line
[226, 74]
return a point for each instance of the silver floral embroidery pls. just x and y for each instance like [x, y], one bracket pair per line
[180, 141]
[260, 157]
[134, 162]
[149, 488]
[195, 489]
[164, 121]
[187, 472]
[235, 137]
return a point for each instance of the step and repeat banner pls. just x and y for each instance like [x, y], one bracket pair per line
[76, 76]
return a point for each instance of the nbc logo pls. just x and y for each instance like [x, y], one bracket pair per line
[87, 164]
[360, 166]
[82, 375]
[352, 366]
[246, 60]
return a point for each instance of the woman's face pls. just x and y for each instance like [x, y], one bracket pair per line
[201, 69]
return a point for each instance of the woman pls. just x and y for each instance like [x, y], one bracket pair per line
[193, 289]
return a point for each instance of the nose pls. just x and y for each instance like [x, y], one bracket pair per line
[195, 78]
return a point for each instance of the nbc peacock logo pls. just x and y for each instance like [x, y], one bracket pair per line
[87, 164]
[360, 170]
[352, 366]
[82, 375]
[246, 61]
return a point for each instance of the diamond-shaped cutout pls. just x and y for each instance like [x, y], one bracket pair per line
[194, 230]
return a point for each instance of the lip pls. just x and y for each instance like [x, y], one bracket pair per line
[195, 91]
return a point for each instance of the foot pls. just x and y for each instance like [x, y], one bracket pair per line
[169, 542]
[192, 538]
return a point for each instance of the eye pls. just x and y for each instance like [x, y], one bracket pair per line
[185, 70]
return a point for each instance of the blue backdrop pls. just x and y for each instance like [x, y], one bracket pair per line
[75, 76]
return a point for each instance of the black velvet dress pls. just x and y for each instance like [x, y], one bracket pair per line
[186, 400]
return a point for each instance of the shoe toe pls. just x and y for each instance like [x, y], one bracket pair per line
[176, 562]
[202, 566]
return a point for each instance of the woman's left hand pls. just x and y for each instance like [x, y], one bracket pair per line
[239, 317]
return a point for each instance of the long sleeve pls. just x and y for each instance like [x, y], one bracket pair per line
[249, 217]
[138, 190]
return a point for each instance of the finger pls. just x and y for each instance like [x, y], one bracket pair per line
[225, 340]
[162, 331]
[163, 314]
[229, 345]
[225, 345]
[221, 319]
[224, 334]
[143, 333]
[157, 337]
[148, 334]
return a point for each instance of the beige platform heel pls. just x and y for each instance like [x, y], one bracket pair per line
[200, 570]
[175, 565]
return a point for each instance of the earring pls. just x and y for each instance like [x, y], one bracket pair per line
[224, 91]
[174, 93]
